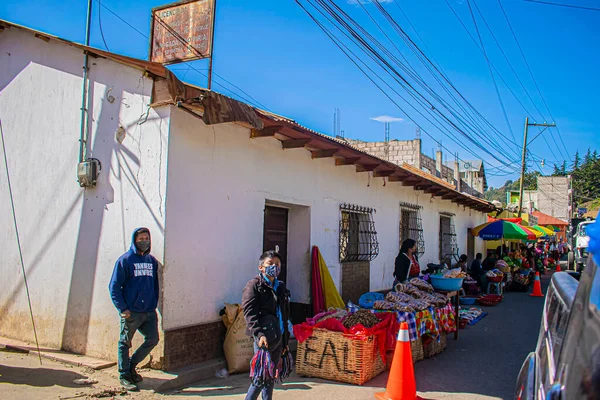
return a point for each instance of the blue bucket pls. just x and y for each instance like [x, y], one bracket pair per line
[448, 284]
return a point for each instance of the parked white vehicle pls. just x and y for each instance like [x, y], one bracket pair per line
[582, 240]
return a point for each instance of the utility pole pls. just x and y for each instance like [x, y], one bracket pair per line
[523, 163]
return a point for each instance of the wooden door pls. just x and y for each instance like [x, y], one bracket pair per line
[275, 234]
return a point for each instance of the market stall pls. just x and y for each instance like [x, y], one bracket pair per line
[355, 344]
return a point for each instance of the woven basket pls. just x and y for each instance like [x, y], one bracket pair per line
[334, 356]
[416, 349]
[433, 347]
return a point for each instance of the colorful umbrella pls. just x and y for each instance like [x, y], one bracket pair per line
[501, 229]
[545, 231]
[536, 234]
[554, 228]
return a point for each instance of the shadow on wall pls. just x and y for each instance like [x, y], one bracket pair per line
[96, 200]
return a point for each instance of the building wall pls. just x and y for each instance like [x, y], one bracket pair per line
[553, 196]
[72, 236]
[400, 151]
[218, 183]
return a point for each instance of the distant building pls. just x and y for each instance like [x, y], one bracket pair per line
[469, 177]
[552, 197]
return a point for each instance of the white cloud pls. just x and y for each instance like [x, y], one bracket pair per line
[387, 118]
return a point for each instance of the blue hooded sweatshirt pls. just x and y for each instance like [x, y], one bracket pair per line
[134, 282]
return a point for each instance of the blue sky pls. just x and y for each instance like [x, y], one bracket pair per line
[274, 52]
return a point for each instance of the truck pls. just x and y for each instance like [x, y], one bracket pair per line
[579, 241]
[566, 361]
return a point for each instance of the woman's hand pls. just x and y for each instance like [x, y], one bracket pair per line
[262, 342]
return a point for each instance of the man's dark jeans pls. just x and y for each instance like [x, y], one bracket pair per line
[147, 324]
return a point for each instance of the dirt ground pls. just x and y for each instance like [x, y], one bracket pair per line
[22, 377]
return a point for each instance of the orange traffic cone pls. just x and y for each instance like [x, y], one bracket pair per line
[558, 267]
[401, 383]
[537, 286]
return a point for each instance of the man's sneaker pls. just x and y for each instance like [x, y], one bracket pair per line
[128, 384]
[135, 377]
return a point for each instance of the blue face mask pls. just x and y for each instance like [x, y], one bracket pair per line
[272, 271]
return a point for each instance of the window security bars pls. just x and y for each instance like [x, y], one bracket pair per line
[448, 244]
[411, 226]
[358, 237]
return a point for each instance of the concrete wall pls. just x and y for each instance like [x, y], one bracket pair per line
[219, 181]
[71, 236]
[400, 151]
[553, 196]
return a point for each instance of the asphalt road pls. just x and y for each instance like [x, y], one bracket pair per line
[487, 357]
[482, 364]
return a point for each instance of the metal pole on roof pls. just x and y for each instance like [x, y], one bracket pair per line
[212, 45]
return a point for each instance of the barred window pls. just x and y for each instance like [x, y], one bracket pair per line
[358, 237]
[411, 226]
[448, 244]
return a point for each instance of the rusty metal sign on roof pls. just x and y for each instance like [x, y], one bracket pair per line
[182, 31]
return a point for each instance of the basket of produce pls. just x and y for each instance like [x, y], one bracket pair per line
[494, 276]
[451, 280]
[350, 348]
[489, 300]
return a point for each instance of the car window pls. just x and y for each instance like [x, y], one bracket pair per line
[582, 231]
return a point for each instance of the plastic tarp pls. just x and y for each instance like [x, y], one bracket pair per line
[385, 331]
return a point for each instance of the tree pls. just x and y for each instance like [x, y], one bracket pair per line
[577, 161]
[563, 169]
[556, 171]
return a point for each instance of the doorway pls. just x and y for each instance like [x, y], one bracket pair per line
[470, 246]
[275, 235]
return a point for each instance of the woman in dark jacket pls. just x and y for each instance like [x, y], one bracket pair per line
[406, 261]
[266, 305]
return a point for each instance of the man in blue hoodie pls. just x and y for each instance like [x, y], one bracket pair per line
[134, 291]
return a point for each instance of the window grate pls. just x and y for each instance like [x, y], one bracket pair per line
[358, 237]
[411, 226]
[448, 243]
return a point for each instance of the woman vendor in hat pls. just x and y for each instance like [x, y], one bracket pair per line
[406, 263]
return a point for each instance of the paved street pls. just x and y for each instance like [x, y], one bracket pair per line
[482, 364]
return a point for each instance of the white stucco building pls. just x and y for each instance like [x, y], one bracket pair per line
[215, 180]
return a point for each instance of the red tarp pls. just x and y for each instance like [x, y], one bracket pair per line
[385, 331]
[316, 283]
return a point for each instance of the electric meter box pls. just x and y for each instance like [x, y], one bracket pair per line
[87, 172]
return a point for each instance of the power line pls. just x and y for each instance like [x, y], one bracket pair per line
[564, 5]
[100, 24]
[491, 72]
[362, 43]
[355, 60]
[433, 69]
[193, 68]
[534, 82]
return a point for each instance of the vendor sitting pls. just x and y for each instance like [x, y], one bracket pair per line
[462, 263]
[406, 263]
[477, 270]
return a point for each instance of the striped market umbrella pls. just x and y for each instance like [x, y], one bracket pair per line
[501, 229]
[545, 231]
[536, 233]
